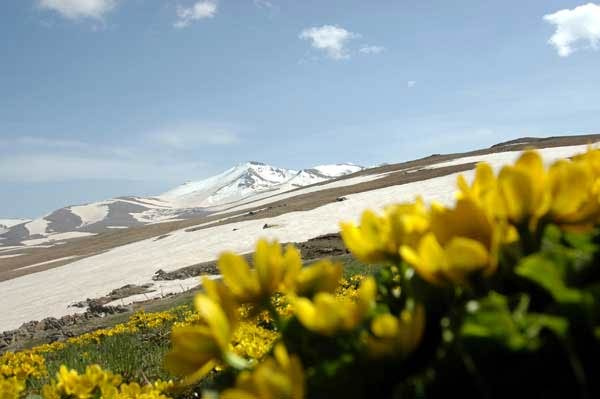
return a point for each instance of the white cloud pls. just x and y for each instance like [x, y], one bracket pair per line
[76, 9]
[34, 141]
[263, 4]
[329, 38]
[372, 49]
[169, 154]
[199, 10]
[411, 83]
[580, 24]
[194, 135]
[36, 167]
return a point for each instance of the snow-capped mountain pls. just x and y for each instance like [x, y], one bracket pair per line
[243, 182]
[232, 185]
[248, 179]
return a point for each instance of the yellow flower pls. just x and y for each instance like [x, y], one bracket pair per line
[483, 184]
[198, 348]
[326, 314]
[462, 240]
[379, 237]
[11, 387]
[591, 158]
[322, 276]
[22, 365]
[392, 336]
[523, 191]
[273, 271]
[575, 193]
[221, 295]
[149, 391]
[252, 341]
[280, 377]
[82, 386]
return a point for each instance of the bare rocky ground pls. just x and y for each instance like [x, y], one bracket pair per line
[99, 316]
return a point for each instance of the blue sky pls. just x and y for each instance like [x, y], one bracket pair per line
[100, 98]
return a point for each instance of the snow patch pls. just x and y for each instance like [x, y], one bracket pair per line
[338, 170]
[37, 226]
[91, 213]
[162, 288]
[48, 262]
[497, 160]
[57, 237]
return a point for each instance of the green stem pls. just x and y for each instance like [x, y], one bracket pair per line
[530, 243]
[273, 312]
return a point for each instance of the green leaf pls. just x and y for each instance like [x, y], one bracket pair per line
[492, 320]
[538, 321]
[550, 276]
[581, 241]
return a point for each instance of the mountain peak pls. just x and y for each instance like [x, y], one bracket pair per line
[248, 179]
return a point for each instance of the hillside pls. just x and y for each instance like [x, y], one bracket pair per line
[46, 281]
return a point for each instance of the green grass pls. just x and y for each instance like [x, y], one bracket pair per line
[139, 356]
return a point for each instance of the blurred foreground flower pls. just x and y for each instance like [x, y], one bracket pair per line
[273, 271]
[197, 349]
[462, 240]
[279, 377]
[396, 336]
[322, 276]
[327, 315]
[379, 237]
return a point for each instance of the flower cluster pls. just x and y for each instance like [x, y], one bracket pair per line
[310, 297]
[11, 387]
[22, 365]
[137, 322]
[509, 269]
[451, 245]
[18, 370]
[96, 382]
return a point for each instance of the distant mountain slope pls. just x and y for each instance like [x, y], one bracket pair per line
[192, 199]
[6, 224]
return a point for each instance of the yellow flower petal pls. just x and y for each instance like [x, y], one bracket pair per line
[237, 275]
[216, 319]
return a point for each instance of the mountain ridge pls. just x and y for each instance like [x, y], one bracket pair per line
[191, 199]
